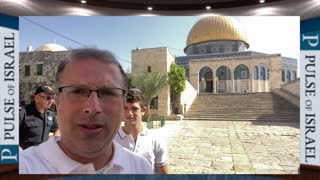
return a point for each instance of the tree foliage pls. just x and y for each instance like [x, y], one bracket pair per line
[177, 79]
[177, 82]
[150, 83]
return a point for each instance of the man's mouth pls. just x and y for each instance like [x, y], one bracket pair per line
[91, 128]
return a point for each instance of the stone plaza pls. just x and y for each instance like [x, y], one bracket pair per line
[232, 147]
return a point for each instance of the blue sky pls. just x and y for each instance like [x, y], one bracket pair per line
[121, 34]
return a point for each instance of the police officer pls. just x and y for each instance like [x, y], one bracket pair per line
[36, 119]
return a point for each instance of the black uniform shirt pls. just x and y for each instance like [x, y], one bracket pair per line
[35, 126]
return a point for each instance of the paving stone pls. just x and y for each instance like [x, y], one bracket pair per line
[290, 168]
[245, 169]
[238, 158]
[228, 147]
[203, 163]
[260, 166]
[222, 165]
[226, 158]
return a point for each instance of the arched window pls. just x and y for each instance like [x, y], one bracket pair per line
[223, 73]
[205, 80]
[206, 73]
[241, 72]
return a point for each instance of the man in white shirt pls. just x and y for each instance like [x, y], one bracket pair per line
[90, 102]
[135, 137]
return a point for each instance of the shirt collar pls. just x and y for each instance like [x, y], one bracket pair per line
[144, 131]
[123, 134]
[66, 165]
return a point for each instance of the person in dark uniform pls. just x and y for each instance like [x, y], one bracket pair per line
[36, 119]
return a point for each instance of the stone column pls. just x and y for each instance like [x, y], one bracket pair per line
[252, 83]
[259, 79]
[213, 83]
[232, 81]
[285, 76]
[266, 73]
[215, 87]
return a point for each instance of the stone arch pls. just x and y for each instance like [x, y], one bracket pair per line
[256, 72]
[205, 80]
[224, 83]
[241, 72]
[241, 79]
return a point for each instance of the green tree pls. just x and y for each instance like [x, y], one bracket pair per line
[177, 82]
[150, 83]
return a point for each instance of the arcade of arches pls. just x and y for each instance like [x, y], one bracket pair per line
[236, 75]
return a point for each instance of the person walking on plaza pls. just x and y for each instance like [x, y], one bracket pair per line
[90, 102]
[137, 138]
[36, 120]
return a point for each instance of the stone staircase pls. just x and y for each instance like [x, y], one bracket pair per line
[242, 107]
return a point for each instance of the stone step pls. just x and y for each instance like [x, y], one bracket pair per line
[250, 106]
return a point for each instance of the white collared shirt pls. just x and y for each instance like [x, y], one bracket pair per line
[48, 158]
[148, 144]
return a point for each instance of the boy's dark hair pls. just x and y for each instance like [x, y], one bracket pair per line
[135, 95]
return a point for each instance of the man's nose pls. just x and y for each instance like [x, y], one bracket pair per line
[93, 103]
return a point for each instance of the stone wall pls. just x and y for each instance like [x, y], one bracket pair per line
[290, 92]
[261, 85]
[157, 60]
[187, 97]
[28, 84]
[293, 87]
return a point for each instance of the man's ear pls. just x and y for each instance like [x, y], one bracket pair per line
[36, 97]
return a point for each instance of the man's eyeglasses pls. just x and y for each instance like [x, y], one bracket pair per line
[80, 93]
[48, 98]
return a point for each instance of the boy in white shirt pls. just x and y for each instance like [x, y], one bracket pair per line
[137, 138]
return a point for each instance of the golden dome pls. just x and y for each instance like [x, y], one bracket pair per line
[51, 47]
[212, 28]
